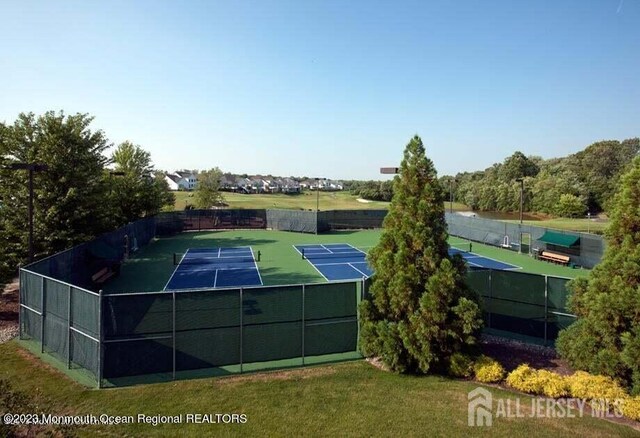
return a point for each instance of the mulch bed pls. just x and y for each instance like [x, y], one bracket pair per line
[9, 311]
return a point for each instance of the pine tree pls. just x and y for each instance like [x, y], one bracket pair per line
[421, 312]
[606, 337]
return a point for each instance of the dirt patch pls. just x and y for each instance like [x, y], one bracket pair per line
[9, 304]
[9, 307]
[297, 374]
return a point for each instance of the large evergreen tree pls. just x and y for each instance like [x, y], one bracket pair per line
[420, 312]
[606, 337]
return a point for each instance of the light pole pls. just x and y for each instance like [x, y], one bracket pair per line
[31, 167]
[451, 181]
[521, 181]
[318, 193]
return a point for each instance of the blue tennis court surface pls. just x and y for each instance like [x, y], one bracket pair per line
[215, 268]
[341, 261]
[336, 261]
[479, 261]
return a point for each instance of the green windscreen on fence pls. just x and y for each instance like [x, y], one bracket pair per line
[272, 323]
[138, 335]
[207, 329]
[559, 316]
[330, 318]
[526, 306]
[219, 331]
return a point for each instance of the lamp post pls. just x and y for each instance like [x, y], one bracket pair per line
[318, 192]
[521, 181]
[451, 181]
[31, 167]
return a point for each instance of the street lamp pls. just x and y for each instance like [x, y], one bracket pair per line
[451, 181]
[521, 181]
[318, 192]
[31, 167]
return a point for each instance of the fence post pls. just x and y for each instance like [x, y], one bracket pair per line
[173, 337]
[69, 330]
[546, 307]
[490, 298]
[303, 322]
[43, 306]
[101, 338]
[241, 312]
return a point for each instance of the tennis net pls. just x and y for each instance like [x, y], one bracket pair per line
[457, 248]
[190, 259]
[332, 254]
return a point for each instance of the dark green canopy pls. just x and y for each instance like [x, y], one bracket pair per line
[566, 240]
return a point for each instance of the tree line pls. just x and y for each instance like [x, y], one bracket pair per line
[83, 192]
[569, 186]
[372, 190]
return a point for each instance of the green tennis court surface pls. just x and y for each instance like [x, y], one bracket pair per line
[150, 269]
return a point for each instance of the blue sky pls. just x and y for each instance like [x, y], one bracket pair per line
[329, 88]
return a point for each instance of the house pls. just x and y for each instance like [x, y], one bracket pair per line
[288, 185]
[181, 180]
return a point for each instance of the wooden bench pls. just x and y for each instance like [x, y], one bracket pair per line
[103, 275]
[555, 258]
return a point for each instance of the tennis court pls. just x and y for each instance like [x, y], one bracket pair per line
[336, 261]
[341, 261]
[215, 268]
[478, 261]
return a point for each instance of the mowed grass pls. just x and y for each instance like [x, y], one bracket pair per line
[304, 201]
[570, 224]
[349, 399]
[345, 201]
[150, 268]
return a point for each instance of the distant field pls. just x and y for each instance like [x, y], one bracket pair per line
[580, 225]
[346, 201]
[304, 201]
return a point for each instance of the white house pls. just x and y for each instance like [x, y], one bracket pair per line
[181, 180]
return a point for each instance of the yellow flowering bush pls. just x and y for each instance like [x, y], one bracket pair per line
[488, 370]
[588, 386]
[631, 408]
[524, 378]
[552, 384]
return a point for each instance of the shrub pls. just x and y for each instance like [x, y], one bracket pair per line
[460, 365]
[524, 378]
[588, 386]
[631, 408]
[552, 384]
[488, 370]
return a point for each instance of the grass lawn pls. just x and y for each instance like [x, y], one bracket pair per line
[349, 399]
[569, 224]
[150, 269]
[305, 201]
[346, 201]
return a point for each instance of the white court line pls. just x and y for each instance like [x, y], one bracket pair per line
[358, 270]
[309, 261]
[331, 252]
[496, 260]
[256, 265]
[215, 279]
[175, 270]
[357, 249]
[219, 249]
